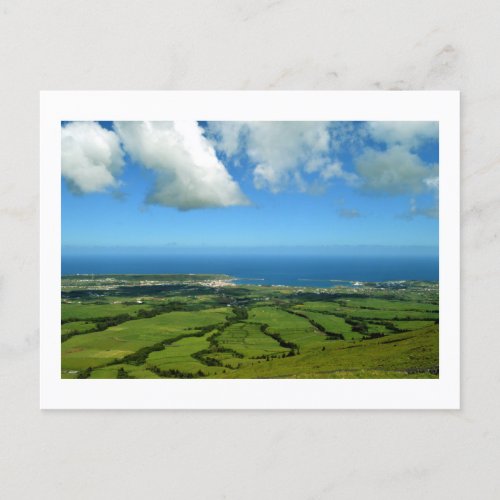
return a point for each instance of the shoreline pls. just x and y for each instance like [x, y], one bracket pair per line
[222, 280]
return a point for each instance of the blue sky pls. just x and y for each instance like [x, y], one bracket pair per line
[243, 185]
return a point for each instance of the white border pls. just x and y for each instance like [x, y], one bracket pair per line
[442, 393]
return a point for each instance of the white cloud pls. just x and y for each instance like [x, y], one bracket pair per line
[283, 154]
[432, 183]
[347, 136]
[349, 213]
[431, 211]
[335, 170]
[226, 136]
[280, 155]
[302, 154]
[281, 150]
[188, 173]
[394, 171]
[91, 157]
[409, 134]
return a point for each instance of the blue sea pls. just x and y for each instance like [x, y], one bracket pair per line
[291, 270]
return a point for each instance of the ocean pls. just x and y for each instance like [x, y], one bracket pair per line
[291, 270]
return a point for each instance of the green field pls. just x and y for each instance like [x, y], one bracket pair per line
[204, 326]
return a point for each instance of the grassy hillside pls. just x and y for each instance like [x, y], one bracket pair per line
[168, 326]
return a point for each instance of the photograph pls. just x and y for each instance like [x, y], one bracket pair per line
[202, 249]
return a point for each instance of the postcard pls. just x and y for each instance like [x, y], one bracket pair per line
[250, 250]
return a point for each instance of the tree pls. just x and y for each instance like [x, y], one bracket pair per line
[122, 373]
[86, 373]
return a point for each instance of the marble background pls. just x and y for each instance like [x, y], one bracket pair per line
[240, 44]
